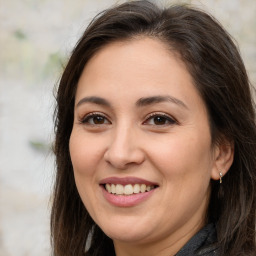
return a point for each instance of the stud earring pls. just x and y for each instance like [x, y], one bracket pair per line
[221, 175]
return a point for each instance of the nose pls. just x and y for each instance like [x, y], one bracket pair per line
[124, 149]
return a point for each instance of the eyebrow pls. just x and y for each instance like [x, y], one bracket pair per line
[159, 99]
[142, 102]
[95, 100]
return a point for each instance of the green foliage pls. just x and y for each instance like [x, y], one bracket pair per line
[54, 64]
[19, 34]
[40, 146]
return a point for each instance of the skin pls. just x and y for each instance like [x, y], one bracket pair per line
[177, 153]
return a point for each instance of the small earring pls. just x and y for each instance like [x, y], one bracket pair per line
[221, 175]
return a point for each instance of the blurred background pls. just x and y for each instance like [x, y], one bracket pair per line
[36, 37]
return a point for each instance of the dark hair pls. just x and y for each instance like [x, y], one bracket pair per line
[220, 77]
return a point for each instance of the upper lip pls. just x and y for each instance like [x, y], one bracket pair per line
[126, 181]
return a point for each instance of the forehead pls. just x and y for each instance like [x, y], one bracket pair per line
[137, 56]
[139, 50]
[137, 68]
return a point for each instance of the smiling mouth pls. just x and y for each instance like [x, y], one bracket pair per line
[129, 189]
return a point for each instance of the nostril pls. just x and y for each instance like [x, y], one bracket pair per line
[122, 163]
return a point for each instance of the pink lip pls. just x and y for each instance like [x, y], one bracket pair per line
[126, 181]
[126, 201]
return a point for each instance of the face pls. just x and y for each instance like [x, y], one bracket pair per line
[141, 146]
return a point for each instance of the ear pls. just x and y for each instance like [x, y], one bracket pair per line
[223, 158]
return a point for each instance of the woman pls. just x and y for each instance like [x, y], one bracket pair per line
[155, 139]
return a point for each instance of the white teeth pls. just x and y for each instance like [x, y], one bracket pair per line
[119, 189]
[128, 189]
[142, 188]
[136, 188]
[108, 188]
[113, 189]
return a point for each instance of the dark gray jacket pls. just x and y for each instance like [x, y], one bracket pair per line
[201, 244]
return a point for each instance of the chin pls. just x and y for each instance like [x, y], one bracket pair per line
[127, 233]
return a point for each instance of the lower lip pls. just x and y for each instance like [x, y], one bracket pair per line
[126, 201]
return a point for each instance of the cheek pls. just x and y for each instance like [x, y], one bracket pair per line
[85, 153]
[182, 156]
[85, 157]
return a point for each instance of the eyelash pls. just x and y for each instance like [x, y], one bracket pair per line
[90, 116]
[169, 119]
[166, 118]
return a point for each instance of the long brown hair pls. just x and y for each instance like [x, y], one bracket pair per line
[220, 77]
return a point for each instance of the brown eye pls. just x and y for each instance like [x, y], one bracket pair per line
[95, 119]
[160, 120]
[98, 120]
